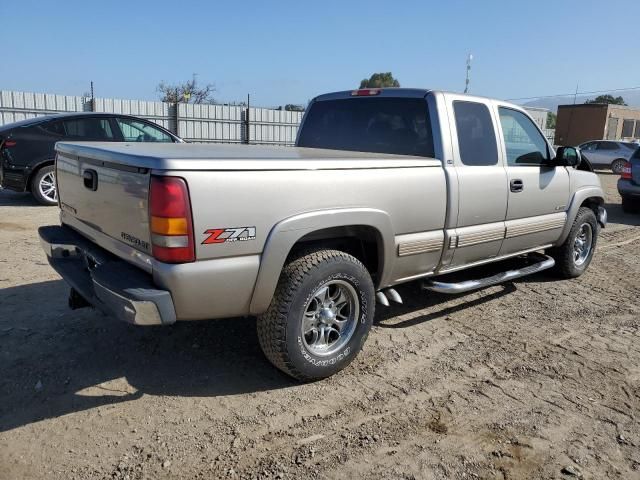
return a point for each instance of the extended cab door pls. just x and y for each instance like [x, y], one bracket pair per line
[538, 193]
[481, 182]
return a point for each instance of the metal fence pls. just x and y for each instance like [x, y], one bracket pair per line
[211, 123]
[273, 126]
[195, 123]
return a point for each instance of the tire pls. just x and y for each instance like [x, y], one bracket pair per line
[572, 260]
[296, 333]
[617, 165]
[630, 205]
[43, 186]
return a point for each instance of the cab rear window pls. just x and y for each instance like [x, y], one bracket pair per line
[379, 125]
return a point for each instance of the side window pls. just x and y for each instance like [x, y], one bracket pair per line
[588, 146]
[89, 128]
[476, 136]
[524, 143]
[54, 128]
[134, 131]
[607, 146]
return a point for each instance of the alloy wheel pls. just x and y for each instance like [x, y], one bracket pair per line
[330, 317]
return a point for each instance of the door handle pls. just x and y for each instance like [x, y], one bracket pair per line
[516, 185]
[90, 179]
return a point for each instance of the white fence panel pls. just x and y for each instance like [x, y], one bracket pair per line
[276, 127]
[210, 123]
[197, 123]
[16, 106]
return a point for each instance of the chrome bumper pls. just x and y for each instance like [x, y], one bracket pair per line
[111, 285]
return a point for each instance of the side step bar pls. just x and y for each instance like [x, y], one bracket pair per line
[468, 285]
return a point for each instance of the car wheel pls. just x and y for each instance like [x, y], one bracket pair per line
[630, 205]
[575, 254]
[320, 315]
[43, 186]
[617, 165]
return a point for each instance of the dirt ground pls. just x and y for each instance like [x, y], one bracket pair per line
[532, 379]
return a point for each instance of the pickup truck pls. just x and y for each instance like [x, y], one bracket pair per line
[383, 187]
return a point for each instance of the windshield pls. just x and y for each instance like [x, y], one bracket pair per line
[379, 125]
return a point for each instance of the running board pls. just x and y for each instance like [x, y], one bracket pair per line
[468, 285]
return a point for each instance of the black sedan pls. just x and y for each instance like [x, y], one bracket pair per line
[27, 148]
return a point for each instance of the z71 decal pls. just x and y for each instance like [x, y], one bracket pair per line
[222, 235]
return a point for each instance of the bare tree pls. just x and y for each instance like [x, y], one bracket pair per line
[186, 92]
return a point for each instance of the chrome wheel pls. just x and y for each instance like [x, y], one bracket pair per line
[582, 244]
[47, 187]
[330, 317]
[617, 166]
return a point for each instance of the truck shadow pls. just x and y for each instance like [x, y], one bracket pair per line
[616, 215]
[437, 305]
[56, 361]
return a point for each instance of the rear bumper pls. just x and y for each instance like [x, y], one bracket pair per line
[113, 286]
[628, 189]
[13, 179]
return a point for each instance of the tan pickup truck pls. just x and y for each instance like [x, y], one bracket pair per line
[385, 186]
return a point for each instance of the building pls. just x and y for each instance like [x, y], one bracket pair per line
[596, 121]
[539, 115]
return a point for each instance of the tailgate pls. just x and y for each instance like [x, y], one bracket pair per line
[109, 197]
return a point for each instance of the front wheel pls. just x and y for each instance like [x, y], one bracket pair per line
[320, 315]
[43, 186]
[575, 254]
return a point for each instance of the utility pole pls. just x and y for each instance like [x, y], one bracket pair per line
[466, 84]
[93, 101]
[575, 96]
[247, 118]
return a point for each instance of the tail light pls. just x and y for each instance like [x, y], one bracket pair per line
[170, 220]
[8, 144]
[626, 171]
[365, 92]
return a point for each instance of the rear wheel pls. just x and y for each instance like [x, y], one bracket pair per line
[43, 186]
[617, 165]
[320, 315]
[575, 254]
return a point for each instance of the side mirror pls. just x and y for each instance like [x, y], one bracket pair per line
[568, 157]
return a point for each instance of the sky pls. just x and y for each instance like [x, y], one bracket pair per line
[289, 51]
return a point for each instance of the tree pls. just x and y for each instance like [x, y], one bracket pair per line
[551, 120]
[380, 80]
[290, 107]
[186, 92]
[607, 99]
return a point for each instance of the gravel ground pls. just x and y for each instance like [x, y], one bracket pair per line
[532, 379]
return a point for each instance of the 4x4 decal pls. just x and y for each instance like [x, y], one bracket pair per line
[235, 234]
